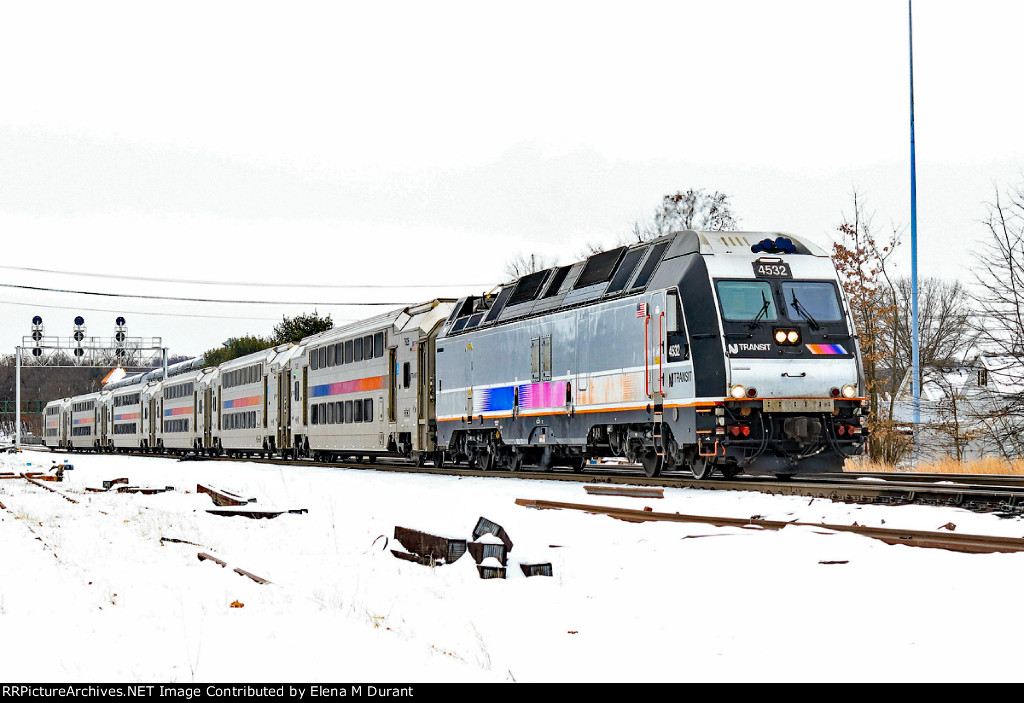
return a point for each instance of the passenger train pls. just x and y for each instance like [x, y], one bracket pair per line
[711, 352]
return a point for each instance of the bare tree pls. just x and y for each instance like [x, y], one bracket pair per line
[1000, 302]
[1000, 275]
[946, 330]
[954, 424]
[863, 262]
[521, 265]
[694, 209]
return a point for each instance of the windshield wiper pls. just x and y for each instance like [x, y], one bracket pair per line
[764, 311]
[803, 313]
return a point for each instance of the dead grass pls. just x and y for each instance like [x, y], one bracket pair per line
[986, 465]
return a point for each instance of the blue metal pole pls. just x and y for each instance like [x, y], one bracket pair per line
[915, 346]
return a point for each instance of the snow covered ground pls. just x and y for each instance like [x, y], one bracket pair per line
[88, 593]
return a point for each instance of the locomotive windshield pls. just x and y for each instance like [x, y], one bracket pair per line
[747, 300]
[753, 301]
[813, 301]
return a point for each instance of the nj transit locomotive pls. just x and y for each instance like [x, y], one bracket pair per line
[709, 351]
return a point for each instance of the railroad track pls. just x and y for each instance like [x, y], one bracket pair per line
[1003, 495]
[974, 544]
[848, 488]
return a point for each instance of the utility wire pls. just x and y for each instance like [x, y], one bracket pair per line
[197, 300]
[243, 283]
[79, 308]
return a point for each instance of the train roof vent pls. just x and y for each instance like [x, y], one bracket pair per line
[647, 270]
[529, 287]
[499, 304]
[625, 270]
[599, 268]
[556, 281]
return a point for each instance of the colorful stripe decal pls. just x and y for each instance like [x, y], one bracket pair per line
[83, 421]
[550, 394]
[542, 395]
[126, 416]
[241, 402]
[359, 385]
[826, 348]
[177, 411]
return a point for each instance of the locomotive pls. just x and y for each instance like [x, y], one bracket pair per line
[711, 352]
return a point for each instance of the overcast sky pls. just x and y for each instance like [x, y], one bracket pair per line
[425, 144]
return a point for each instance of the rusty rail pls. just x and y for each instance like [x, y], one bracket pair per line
[974, 544]
[628, 491]
[222, 497]
[34, 482]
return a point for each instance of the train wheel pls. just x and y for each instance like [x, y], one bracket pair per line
[515, 462]
[488, 459]
[701, 468]
[577, 463]
[421, 459]
[652, 463]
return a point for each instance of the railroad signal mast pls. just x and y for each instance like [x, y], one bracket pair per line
[82, 351]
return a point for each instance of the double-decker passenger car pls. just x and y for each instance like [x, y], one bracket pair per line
[55, 431]
[367, 389]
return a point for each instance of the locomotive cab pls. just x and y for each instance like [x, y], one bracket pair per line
[793, 397]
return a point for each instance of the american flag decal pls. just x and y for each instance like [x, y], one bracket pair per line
[641, 310]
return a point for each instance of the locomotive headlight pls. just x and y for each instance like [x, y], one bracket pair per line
[849, 391]
[784, 337]
[738, 392]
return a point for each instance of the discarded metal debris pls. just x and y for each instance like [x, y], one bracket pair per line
[490, 571]
[222, 497]
[120, 485]
[178, 541]
[489, 549]
[254, 577]
[628, 491]
[257, 514]
[484, 526]
[203, 556]
[485, 550]
[537, 569]
[440, 550]
[144, 491]
[416, 558]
